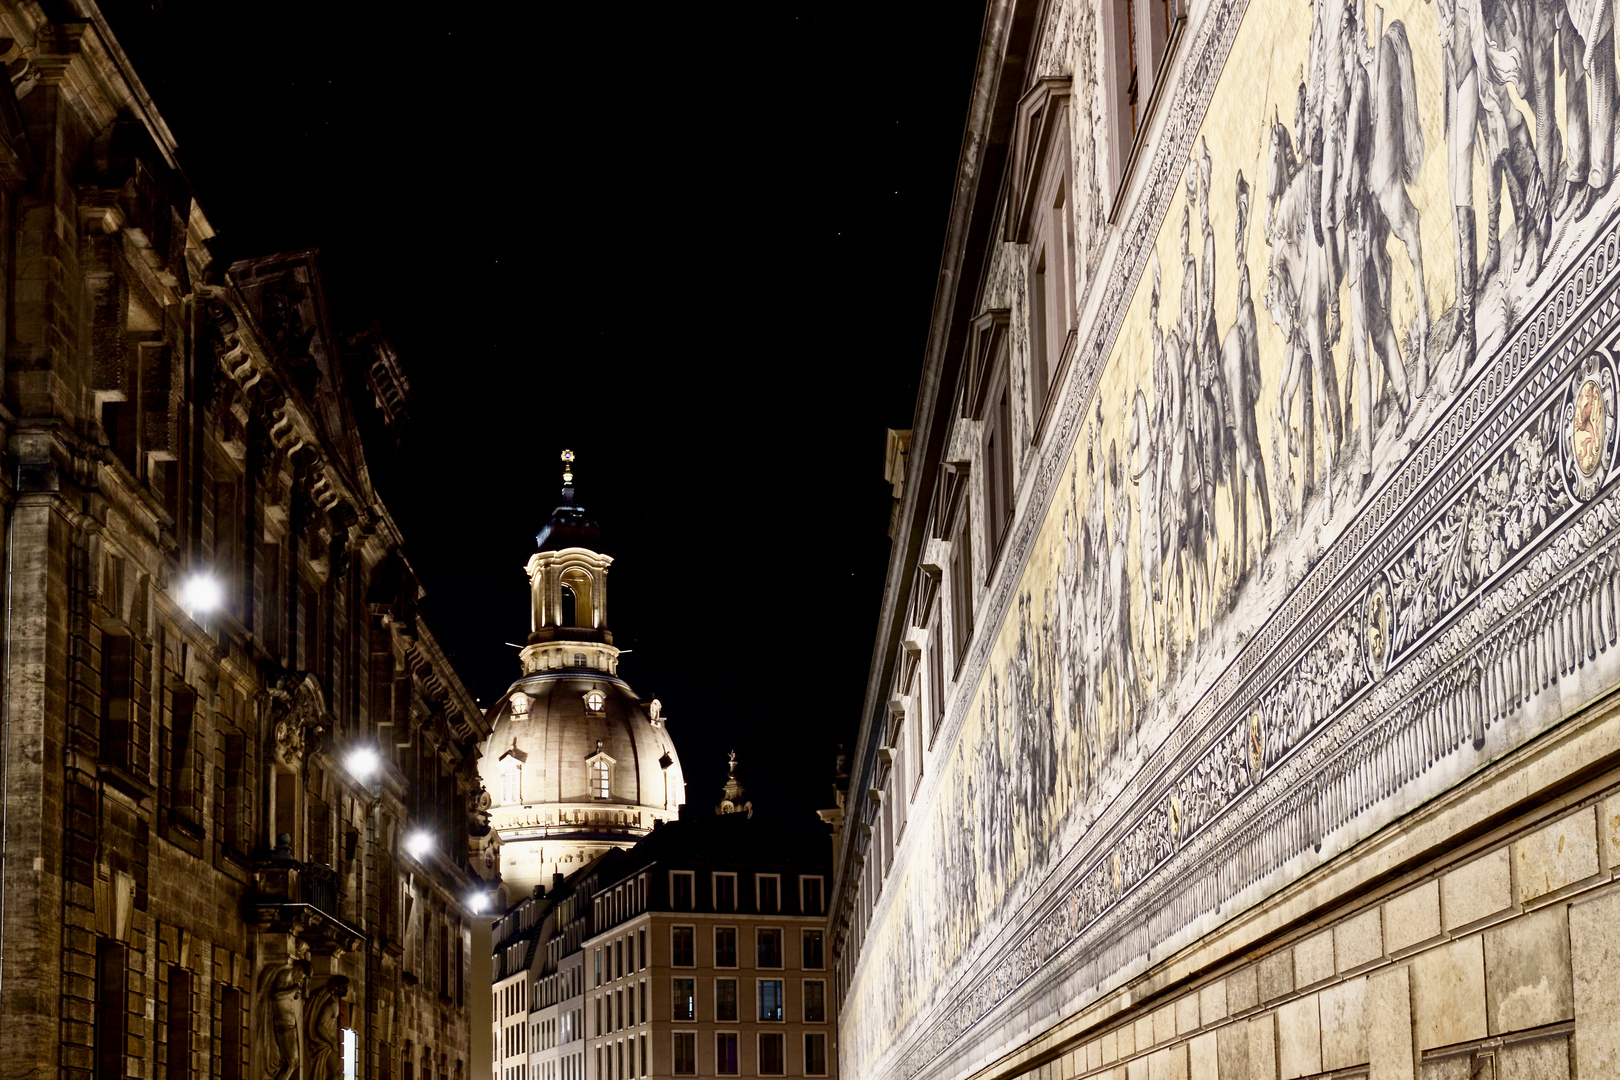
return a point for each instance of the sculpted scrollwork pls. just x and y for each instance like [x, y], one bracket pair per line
[298, 718]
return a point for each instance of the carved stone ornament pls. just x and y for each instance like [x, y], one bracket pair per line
[283, 1005]
[325, 1031]
[1589, 428]
[298, 714]
[1377, 630]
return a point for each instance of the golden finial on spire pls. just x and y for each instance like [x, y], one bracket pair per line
[568, 466]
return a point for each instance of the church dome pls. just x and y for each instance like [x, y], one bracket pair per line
[576, 764]
[582, 737]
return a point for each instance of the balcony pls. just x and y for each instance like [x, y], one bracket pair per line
[301, 898]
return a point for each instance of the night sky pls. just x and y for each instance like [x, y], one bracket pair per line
[697, 244]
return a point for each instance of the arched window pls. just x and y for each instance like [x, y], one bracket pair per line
[569, 607]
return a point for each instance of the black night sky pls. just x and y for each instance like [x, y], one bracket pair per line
[697, 244]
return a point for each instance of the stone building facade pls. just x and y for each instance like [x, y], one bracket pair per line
[239, 770]
[1244, 693]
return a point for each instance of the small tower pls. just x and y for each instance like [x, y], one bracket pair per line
[731, 799]
[568, 591]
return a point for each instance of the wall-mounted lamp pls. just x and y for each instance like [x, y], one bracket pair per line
[363, 763]
[201, 593]
[418, 844]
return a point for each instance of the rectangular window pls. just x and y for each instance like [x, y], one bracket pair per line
[641, 936]
[598, 968]
[936, 678]
[683, 1000]
[770, 999]
[810, 902]
[815, 1054]
[768, 942]
[598, 1029]
[231, 1057]
[725, 1053]
[725, 946]
[725, 892]
[185, 796]
[812, 954]
[815, 1001]
[772, 1060]
[618, 958]
[682, 951]
[961, 587]
[685, 1048]
[998, 459]
[117, 688]
[725, 1001]
[179, 1027]
[643, 999]
[112, 1008]
[681, 892]
[769, 892]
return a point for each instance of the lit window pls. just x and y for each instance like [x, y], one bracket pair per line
[510, 788]
[520, 704]
[599, 779]
[594, 700]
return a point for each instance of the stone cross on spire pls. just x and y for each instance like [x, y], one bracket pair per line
[731, 800]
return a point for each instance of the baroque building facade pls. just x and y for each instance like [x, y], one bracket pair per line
[1244, 696]
[237, 764]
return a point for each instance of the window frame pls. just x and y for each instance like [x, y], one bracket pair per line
[759, 1001]
[736, 948]
[675, 1059]
[675, 982]
[821, 894]
[714, 889]
[821, 948]
[736, 999]
[673, 930]
[820, 1036]
[759, 893]
[781, 948]
[736, 1052]
[690, 878]
[804, 1000]
[781, 1039]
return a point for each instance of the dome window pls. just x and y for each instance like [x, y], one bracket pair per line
[579, 659]
[594, 702]
[520, 704]
[601, 770]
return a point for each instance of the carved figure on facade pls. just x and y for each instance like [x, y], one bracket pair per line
[325, 1031]
[283, 1005]
[298, 717]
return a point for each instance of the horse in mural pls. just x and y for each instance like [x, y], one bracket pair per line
[1299, 285]
[1384, 145]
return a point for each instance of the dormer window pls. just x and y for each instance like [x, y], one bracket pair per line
[520, 704]
[601, 770]
[594, 701]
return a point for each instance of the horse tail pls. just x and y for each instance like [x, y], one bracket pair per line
[1411, 130]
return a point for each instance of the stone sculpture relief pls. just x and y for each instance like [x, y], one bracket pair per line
[283, 1003]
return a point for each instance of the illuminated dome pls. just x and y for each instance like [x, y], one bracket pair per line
[576, 763]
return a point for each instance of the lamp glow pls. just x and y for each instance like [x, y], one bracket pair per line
[478, 902]
[201, 593]
[363, 763]
[418, 844]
